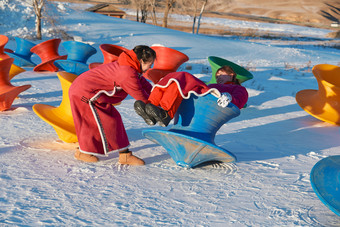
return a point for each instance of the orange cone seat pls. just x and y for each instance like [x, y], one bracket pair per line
[167, 60]
[15, 70]
[3, 42]
[110, 53]
[60, 118]
[324, 103]
[8, 92]
[48, 53]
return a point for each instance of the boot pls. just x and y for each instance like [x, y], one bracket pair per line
[161, 116]
[85, 157]
[127, 158]
[140, 110]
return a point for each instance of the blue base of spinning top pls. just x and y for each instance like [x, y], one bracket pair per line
[70, 66]
[325, 180]
[188, 151]
[190, 141]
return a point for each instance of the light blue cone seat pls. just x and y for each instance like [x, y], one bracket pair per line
[325, 180]
[22, 54]
[77, 55]
[190, 141]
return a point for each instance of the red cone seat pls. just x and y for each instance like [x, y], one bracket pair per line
[167, 60]
[48, 53]
[110, 53]
[8, 92]
[15, 70]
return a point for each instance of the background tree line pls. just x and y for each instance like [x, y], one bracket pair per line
[146, 9]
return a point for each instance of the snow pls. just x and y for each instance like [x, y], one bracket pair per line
[275, 141]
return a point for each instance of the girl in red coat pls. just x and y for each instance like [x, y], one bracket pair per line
[99, 126]
[169, 92]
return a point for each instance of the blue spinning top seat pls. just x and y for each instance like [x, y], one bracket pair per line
[22, 54]
[77, 55]
[325, 180]
[190, 141]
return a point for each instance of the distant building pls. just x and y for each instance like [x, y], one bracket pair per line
[108, 10]
[335, 25]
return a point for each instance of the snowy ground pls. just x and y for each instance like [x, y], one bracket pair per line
[275, 141]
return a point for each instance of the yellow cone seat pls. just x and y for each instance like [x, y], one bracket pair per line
[324, 103]
[60, 118]
[15, 70]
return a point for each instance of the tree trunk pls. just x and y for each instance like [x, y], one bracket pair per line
[137, 15]
[194, 22]
[144, 11]
[168, 6]
[38, 27]
[153, 12]
[199, 18]
[38, 6]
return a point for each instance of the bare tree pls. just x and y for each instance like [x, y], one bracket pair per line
[191, 7]
[199, 18]
[195, 15]
[153, 5]
[169, 4]
[142, 8]
[195, 9]
[38, 6]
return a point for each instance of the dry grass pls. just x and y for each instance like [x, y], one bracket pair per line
[299, 11]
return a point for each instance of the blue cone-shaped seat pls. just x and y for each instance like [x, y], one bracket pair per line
[325, 180]
[22, 54]
[77, 55]
[190, 141]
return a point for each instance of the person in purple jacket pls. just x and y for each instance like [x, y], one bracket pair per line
[168, 93]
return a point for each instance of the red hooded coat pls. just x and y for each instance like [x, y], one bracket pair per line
[171, 89]
[98, 124]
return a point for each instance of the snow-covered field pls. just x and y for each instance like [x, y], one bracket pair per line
[275, 141]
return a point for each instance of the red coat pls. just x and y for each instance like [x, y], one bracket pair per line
[187, 84]
[98, 124]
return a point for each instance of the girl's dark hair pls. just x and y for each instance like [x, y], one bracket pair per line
[144, 53]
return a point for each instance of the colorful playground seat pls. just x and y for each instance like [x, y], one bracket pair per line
[190, 141]
[77, 55]
[325, 181]
[323, 104]
[15, 70]
[3, 42]
[48, 53]
[60, 118]
[8, 92]
[167, 60]
[22, 54]
[217, 62]
[110, 53]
